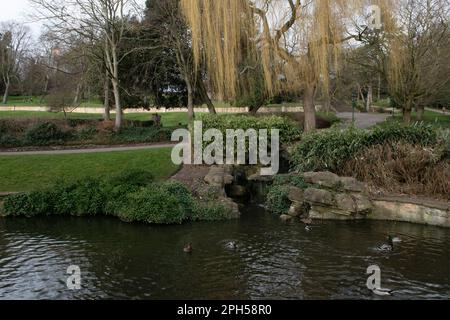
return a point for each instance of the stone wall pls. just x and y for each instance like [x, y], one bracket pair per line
[331, 197]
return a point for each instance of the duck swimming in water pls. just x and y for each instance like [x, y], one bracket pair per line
[188, 248]
[231, 245]
[389, 246]
[382, 292]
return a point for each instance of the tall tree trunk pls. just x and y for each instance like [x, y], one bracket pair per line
[379, 88]
[119, 114]
[107, 112]
[205, 97]
[309, 108]
[190, 105]
[76, 99]
[6, 93]
[407, 112]
[420, 112]
[369, 99]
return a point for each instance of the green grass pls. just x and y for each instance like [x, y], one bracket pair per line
[37, 101]
[169, 119]
[431, 118]
[25, 173]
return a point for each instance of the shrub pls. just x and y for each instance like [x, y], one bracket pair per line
[210, 211]
[330, 149]
[278, 199]
[152, 205]
[402, 168]
[289, 129]
[415, 134]
[327, 150]
[129, 196]
[45, 134]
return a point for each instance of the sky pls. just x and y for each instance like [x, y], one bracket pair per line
[20, 10]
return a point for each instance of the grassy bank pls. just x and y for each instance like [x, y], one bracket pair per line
[430, 117]
[23, 173]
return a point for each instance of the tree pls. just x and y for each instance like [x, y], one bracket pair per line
[97, 21]
[293, 41]
[171, 34]
[418, 54]
[14, 41]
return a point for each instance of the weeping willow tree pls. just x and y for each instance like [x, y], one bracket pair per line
[418, 54]
[296, 44]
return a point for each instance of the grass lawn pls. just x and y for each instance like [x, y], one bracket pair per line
[432, 118]
[25, 173]
[169, 119]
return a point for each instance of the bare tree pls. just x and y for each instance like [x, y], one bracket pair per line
[14, 42]
[98, 21]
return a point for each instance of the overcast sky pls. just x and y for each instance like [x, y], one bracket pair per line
[20, 10]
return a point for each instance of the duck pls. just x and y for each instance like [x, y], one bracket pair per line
[308, 228]
[389, 246]
[382, 292]
[232, 245]
[188, 248]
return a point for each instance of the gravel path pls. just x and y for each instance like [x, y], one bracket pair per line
[364, 120]
[87, 150]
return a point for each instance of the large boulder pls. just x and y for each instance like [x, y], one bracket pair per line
[345, 202]
[323, 179]
[319, 196]
[352, 185]
[296, 194]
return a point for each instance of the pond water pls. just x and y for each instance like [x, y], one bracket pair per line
[272, 261]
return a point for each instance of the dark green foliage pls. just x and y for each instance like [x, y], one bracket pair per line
[131, 177]
[152, 205]
[292, 180]
[330, 149]
[130, 196]
[289, 130]
[278, 199]
[143, 135]
[45, 134]
[210, 211]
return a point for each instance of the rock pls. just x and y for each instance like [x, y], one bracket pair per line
[296, 209]
[363, 204]
[353, 185]
[319, 196]
[219, 176]
[259, 178]
[232, 206]
[327, 213]
[296, 194]
[306, 221]
[325, 179]
[345, 202]
[286, 218]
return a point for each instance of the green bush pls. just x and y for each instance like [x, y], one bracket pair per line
[278, 199]
[289, 130]
[210, 211]
[45, 134]
[152, 205]
[330, 149]
[129, 196]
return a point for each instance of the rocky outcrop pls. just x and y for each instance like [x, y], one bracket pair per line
[217, 179]
[331, 197]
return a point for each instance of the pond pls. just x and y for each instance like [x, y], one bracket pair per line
[272, 261]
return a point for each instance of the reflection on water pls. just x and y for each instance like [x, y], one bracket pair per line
[272, 260]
